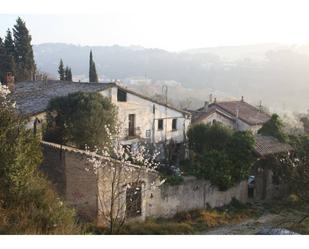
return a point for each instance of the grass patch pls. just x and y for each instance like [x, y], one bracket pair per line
[193, 221]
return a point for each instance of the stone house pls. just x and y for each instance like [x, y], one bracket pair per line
[238, 115]
[266, 185]
[141, 118]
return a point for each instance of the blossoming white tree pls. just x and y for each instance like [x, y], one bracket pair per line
[124, 175]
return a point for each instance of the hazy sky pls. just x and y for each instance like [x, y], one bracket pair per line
[166, 24]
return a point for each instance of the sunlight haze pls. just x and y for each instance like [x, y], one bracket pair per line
[169, 25]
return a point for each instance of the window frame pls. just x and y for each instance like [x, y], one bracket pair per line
[174, 125]
[122, 96]
[160, 124]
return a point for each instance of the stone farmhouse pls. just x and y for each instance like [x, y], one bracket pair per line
[241, 116]
[238, 115]
[141, 118]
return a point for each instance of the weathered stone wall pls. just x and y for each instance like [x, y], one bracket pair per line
[192, 194]
[65, 167]
[88, 192]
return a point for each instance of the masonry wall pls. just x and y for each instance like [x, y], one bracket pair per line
[192, 194]
[65, 168]
[88, 192]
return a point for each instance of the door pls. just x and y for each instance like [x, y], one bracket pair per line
[131, 125]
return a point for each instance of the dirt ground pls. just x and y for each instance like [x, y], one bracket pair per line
[282, 220]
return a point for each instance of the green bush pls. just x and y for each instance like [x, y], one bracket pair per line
[80, 119]
[220, 155]
[28, 203]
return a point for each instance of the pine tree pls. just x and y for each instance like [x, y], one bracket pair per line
[25, 64]
[61, 70]
[6, 62]
[93, 77]
[10, 51]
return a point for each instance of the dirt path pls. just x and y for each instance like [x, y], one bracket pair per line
[253, 225]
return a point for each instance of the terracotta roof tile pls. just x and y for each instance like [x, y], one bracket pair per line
[267, 145]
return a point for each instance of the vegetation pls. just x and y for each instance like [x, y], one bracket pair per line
[220, 155]
[93, 77]
[28, 203]
[65, 74]
[24, 59]
[80, 119]
[194, 221]
[68, 74]
[61, 70]
[274, 127]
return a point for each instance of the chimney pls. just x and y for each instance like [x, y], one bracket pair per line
[206, 103]
[242, 98]
[10, 81]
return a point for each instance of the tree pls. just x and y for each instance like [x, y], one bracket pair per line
[121, 183]
[274, 127]
[305, 121]
[25, 65]
[61, 70]
[79, 119]
[67, 74]
[93, 77]
[9, 43]
[28, 203]
[220, 155]
[10, 52]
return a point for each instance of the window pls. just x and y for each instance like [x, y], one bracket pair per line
[121, 95]
[160, 124]
[131, 125]
[134, 201]
[174, 124]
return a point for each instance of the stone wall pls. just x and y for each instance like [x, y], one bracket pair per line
[192, 194]
[87, 192]
[65, 168]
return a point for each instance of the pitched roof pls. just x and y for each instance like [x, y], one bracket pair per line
[32, 97]
[246, 112]
[152, 100]
[267, 145]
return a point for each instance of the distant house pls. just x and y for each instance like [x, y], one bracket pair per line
[238, 115]
[267, 184]
[141, 118]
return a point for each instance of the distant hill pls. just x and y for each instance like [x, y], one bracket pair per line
[278, 75]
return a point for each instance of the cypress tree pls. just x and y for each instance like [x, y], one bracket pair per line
[9, 43]
[6, 61]
[66, 73]
[93, 77]
[69, 75]
[25, 65]
[61, 70]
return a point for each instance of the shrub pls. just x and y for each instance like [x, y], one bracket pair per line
[79, 119]
[274, 127]
[220, 155]
[28, 203]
